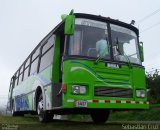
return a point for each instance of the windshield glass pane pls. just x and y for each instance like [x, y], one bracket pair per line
[125, 46]
[90, 39]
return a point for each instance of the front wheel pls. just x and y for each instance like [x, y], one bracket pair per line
[100, 116]
[43, 115]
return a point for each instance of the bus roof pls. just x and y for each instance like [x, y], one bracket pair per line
[107, 19]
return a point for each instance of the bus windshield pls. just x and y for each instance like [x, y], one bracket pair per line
[90, 39]
[125, 45]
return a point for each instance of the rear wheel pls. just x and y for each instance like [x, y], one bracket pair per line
[43, 115]
[13, 109]
[100, 116]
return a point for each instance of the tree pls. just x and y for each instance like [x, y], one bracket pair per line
[153, 83]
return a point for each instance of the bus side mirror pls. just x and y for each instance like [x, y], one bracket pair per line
[69, 25]
[141, 51]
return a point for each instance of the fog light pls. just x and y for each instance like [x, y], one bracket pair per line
[140, 93]
[78, 89]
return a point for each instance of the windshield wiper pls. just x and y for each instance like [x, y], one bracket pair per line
[126, 57]
[128, 61]
[99, 58]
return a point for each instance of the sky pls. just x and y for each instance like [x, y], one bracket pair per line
[24, 23]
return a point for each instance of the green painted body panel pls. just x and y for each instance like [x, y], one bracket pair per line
[139, 80]
[56, 63]
[85, 72]
[69, 25]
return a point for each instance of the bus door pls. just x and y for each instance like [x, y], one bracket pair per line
[57, 69]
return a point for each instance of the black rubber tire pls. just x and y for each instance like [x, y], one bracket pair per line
[43, 116]
[100, 116]
[13, 109]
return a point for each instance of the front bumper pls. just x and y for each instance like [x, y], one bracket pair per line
[109, 104]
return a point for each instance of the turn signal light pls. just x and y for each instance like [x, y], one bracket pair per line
[64, 88]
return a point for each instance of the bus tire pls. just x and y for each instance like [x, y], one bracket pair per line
[43, 115]
[100, 116]
[13, 109]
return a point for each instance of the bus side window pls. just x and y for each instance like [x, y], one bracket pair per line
[21, 74]
[34, 63]
[12, 83]
[26, 69]
[16, 80]
[47, 53]
[27, 62]
[20, 78]
[49, 43]
[34, 66]
[26, 73]
[10, 87]
[36, 54]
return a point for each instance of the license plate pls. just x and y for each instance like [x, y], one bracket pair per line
[80, 103]
[113, 65]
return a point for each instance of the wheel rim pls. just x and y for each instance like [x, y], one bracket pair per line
[12, 111]
[40, 107]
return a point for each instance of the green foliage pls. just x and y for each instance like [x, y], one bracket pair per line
[153, 83]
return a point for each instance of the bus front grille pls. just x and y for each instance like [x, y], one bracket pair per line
[113, 92]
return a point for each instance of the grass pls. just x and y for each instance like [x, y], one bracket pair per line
[136, 115]
[18, 120]
[132, 115]
[32, 123]
[83, 122]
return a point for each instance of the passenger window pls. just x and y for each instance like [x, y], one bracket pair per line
[46, 59]
[34, 66]
[27, 62]
[26, 73]
[36, 53]
[16, 81]
[21, 70]
[20, 79]
[49, 43]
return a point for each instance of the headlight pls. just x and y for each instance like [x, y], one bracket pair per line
[140, 93]
[78, 89]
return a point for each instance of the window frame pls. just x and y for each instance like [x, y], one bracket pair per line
[45, 52]
[28, 60]
[88, 57]
[33, 58]
[109, 22]
[137, 46]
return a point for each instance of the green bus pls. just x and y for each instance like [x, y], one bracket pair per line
[88, 64]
